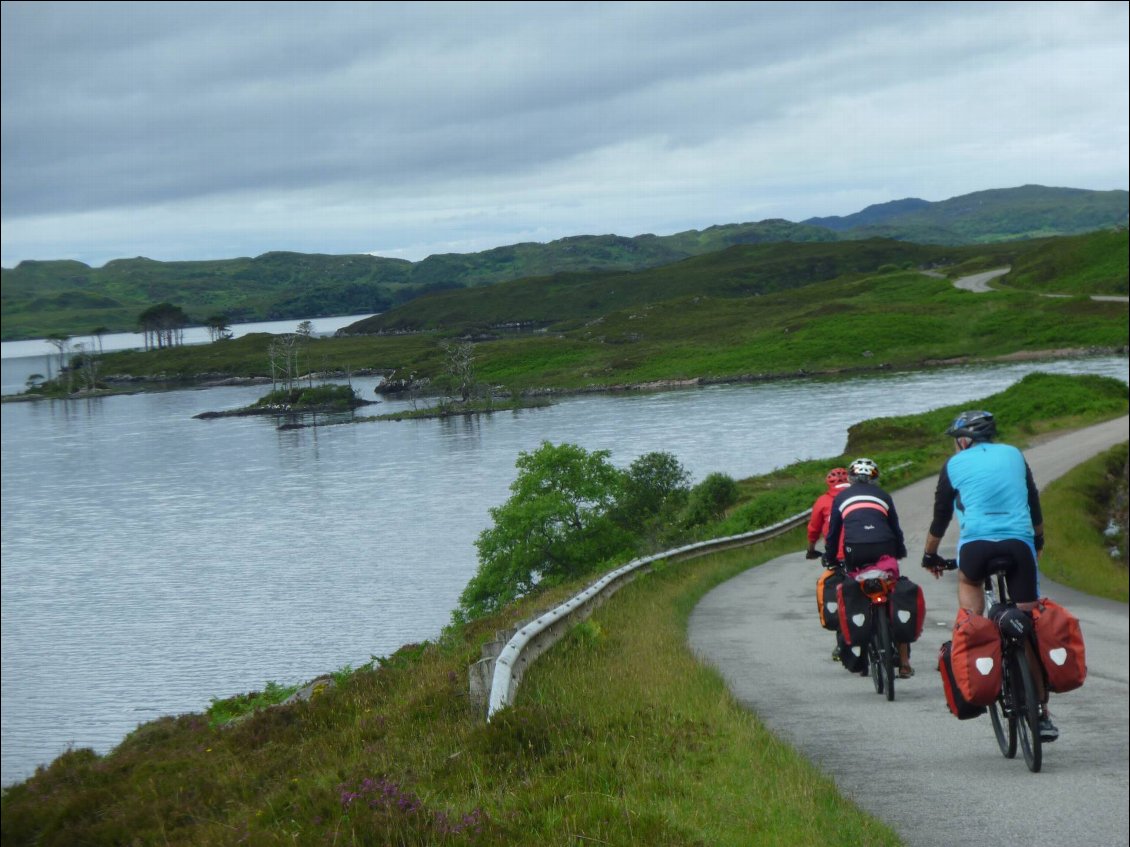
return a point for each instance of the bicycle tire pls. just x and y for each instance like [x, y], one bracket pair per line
[1027, 709]
[886, 649]
[1004, 717]
[874, 657]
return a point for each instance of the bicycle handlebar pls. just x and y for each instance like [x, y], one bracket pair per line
[937, 564]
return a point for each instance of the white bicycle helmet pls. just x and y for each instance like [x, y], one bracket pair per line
[863, 470]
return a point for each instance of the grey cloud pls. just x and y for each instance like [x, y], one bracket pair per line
[111, 106]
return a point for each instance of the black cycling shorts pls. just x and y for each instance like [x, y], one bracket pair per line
[858, 555]
[973, 559]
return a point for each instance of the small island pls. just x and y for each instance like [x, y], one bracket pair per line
[298, 400]
[339, 402]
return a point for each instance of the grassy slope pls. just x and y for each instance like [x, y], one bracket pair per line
[568, 300]
[619, 736]
[1091, 264]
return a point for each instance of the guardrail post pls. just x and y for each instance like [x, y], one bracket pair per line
[480, 676]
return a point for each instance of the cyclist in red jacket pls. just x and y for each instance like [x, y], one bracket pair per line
[837, 480]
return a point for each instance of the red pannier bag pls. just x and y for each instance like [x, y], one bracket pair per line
[827, 602]
[1059, 642]
[959, 707]
[976, 658]
[908, 611]
[855, 613]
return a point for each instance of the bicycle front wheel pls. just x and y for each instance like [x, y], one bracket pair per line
[1026, 707]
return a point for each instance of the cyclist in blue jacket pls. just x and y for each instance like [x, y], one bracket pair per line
[991, 489]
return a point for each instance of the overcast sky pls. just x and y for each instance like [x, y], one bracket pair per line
[214, 130]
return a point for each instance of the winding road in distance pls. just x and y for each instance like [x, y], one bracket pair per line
[936, 780]
[979, 283]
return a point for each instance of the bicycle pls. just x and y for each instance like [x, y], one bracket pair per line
[882, 653]
[1015, 713]
[881, 650]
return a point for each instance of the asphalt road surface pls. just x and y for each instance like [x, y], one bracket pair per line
[936, 780]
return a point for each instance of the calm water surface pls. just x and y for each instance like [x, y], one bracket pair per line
[152, 561]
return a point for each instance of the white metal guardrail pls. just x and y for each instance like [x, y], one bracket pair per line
[495, 678]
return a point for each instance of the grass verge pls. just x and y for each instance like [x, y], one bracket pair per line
[1077, 509]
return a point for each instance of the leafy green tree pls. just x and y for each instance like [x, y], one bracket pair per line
[710, 499]
[557, 524]
[651, 482]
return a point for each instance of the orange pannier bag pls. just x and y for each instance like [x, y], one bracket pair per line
[827, 602]
[1059, 642]
[976, 658]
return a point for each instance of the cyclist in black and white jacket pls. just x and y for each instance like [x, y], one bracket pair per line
[865, 526]
[864, 523]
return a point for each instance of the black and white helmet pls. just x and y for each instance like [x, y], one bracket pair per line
[863, 470]
[976, 425]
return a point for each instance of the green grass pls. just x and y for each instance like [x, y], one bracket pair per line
[1089, 264]
[1077, 508]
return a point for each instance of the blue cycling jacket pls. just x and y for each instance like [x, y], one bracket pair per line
[990, 486]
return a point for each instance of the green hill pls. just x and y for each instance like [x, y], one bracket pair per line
[1031, 211]
[39, 298]
[564, 301]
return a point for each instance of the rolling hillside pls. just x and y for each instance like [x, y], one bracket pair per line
[45, 297]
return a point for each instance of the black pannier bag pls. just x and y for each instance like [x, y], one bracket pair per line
[854, 659]
[908, 611]
[855, 613]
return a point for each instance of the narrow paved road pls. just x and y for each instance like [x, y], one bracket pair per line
[936, 780]
[980, 282]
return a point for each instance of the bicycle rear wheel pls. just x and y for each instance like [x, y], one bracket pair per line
[875, 658]
[1026, 707]
[886, 650]
[1004, 718]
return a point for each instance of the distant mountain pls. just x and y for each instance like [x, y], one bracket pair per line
[877, 215]
[44, 297]
[1006, 214]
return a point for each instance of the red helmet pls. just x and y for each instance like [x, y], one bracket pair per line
[837, 476]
